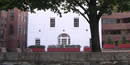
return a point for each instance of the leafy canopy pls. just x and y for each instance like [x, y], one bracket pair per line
[31, 5]
[82, 7]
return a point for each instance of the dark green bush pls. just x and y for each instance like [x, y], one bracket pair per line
[34, 46]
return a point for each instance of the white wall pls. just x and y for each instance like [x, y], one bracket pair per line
[48, 35]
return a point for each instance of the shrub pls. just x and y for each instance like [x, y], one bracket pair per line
[34, 46]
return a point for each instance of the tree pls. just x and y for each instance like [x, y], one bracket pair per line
[31, 5]
[91, 10]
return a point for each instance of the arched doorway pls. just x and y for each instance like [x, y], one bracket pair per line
[63, 39]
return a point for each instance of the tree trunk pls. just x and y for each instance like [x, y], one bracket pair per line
[95, 40]
[94, 26]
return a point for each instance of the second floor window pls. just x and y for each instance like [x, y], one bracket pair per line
[76, 22]
[3, 21]
[110, 21]
[52, 22]
[11, 14]
[126, 20]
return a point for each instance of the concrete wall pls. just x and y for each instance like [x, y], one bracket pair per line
[62, 58]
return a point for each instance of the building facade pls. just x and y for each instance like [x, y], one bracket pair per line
[116, 27]
[70, 29]
[13, 29]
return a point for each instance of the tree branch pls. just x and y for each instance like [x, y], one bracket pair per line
[88, 2]
[86, 12]
[81, 14]
[84, 16]
[99, 14]
[80, 5]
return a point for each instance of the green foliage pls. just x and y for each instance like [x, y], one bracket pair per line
[4, 5]
[31, 5]
[34, 46]
[124, 41]
[83, 7]
[72, 46]
[109, 40]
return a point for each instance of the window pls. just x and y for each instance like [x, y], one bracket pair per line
[11, 14]
[18, 43]
[19, 17]
[63, 39]
[115, 32]
[106, 32]
[128, 31]
[3, 21]
[37, 41]
[52, 22]
[22, 17]
[126, 20]
[24, 31]
[11, 30]
[20, 28]
[25, 17]
[1, 34]
[112, 32]
[110, 21]
[76, 22]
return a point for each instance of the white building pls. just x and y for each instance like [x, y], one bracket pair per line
[70, 29]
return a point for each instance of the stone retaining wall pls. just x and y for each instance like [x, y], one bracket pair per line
[65, 58]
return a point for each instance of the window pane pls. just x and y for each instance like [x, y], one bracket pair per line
[52, 22]
[76, 22]
[128, 31]
[19, 28]
[37, 41]
[110, 21]
[1, 34]
[11, 14]
[11, 30]
[64, 41]
[126, 20]
[112, 32]
[3, 21]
